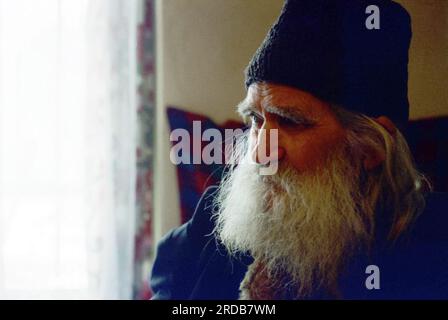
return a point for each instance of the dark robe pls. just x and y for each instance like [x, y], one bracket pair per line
[191, 264]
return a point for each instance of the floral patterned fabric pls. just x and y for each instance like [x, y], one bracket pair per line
[145, 116]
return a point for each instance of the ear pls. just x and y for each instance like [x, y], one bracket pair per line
[387, 124]
[375, 157]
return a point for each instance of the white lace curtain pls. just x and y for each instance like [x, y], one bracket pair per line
[67, 148]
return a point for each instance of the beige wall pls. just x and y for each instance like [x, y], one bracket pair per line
[428, 65]
[204, 45]
[202, 49]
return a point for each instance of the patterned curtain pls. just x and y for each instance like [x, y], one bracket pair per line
[146, 90]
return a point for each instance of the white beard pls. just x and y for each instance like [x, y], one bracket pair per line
[305, 224]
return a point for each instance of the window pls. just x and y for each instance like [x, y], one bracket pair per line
[67, 148]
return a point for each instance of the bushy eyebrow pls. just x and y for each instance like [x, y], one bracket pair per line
[245, 108]
[291, 113]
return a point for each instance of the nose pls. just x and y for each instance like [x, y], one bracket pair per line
[267, 148]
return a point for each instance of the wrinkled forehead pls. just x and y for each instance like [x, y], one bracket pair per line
[264, 96]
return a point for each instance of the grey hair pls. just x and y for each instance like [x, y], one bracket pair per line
[396, 185]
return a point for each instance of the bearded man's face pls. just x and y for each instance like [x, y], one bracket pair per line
[308, 131]
[305, 220]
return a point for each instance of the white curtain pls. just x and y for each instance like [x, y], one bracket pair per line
[67, 148]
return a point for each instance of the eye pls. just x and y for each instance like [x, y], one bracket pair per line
[255, 119]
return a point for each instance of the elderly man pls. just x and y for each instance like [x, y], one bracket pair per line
[347, 214]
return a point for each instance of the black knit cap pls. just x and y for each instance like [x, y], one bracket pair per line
[324, 47]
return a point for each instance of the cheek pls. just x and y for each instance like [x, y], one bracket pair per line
[309, 152]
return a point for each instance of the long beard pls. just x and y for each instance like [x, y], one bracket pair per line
[304, 225]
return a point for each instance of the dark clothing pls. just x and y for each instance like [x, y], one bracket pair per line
[192, 264]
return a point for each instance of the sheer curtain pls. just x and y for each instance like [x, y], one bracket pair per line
[67, 148]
